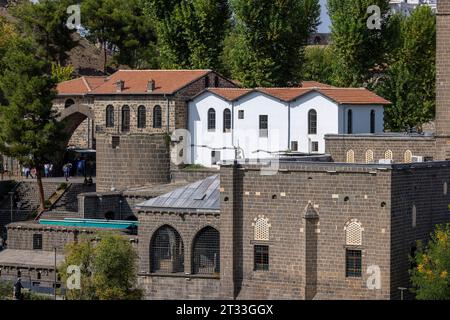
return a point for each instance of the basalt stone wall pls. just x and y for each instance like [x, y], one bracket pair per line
[338, 145]
[302, 265]
[419, 200]
[183, 285]
[443, 80]
[137, 160]
[192, 175]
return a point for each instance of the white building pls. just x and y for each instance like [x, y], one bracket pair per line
[406, 7]
[229, 123]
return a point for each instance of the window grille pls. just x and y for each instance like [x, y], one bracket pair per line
[350, 122]
[261, 229]
[167, 251]
[211, 119]
[312, 122]
[241, 114]
[294, 145]
[226, 120]
[109, 116]
[37, 241]
[408, 156]
[350, 156]
[261, 258]
[157, 117]
[315, 146]
[372, 121]
[388, 155]
[353, 233]
[125, 118]
[206, 258]
[369, 156]
[353, 263]
[142, 117]
[263, 126]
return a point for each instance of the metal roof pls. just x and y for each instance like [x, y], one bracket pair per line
[201, 195]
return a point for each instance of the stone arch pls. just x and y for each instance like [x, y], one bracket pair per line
[166, 251]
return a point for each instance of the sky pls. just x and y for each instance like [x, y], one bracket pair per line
[324, 18]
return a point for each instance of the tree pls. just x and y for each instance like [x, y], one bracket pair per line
[122, 27]
[108, 270]
[357, 49]
[28, 124]
[45, 21]
[61, 73]
[191, 33]
[318, 64]
[410, 80]
[430, 277]
[269, 39]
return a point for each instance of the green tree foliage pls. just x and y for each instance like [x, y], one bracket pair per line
[191, 33]
[6, 290]
[318, 64]
[28, 125]
[410, 80]
[61, 73]
[430, 277]
[357, 49]
[269, 39]
[46, 22]
[108, 269]
[122, 27]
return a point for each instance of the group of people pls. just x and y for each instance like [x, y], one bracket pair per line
[28, 172]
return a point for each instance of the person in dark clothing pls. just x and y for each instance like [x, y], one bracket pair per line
[18, 290]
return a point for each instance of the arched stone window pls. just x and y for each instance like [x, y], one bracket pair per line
[226, 120]
[372, 121]
[142, 117]
[166, 251]
[353, 233]
[312, 121]
[211, 119]
[157, 117]
[350, 156]
[125, 119]
[389, 155]
[69, 103]
[110, 116]
[369, 156]
[349, 122]
[206, 252]
[216, 82]
[207, 82]
[408, 156]
[261, 229]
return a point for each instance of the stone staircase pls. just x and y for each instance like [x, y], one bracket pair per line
[25, 203]
[69, 201]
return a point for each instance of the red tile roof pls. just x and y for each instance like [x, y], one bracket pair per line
[136, 81]
[79, 86]
[339, 95]
[312, 84]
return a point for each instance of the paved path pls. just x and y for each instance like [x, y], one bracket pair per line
[55, 180]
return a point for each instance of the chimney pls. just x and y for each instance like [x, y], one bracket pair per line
[120, 84]
[151, 85]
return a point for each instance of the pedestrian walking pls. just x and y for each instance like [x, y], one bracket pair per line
[66, 169]
[50, 170]
[46, 170]
[18, 290]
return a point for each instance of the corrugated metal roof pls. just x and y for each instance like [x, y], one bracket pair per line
[201, 195]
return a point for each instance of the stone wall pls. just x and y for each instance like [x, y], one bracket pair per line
[443, 80]
[182, 285]
[338, 145]
[304, 265]
[192, 175]
[138, 160]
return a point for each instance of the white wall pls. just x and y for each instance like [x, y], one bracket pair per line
[246, 131]
[327, 123]
[286, 123]
[198, 127]
[361, 118]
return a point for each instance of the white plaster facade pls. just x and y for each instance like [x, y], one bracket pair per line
[287, 123]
